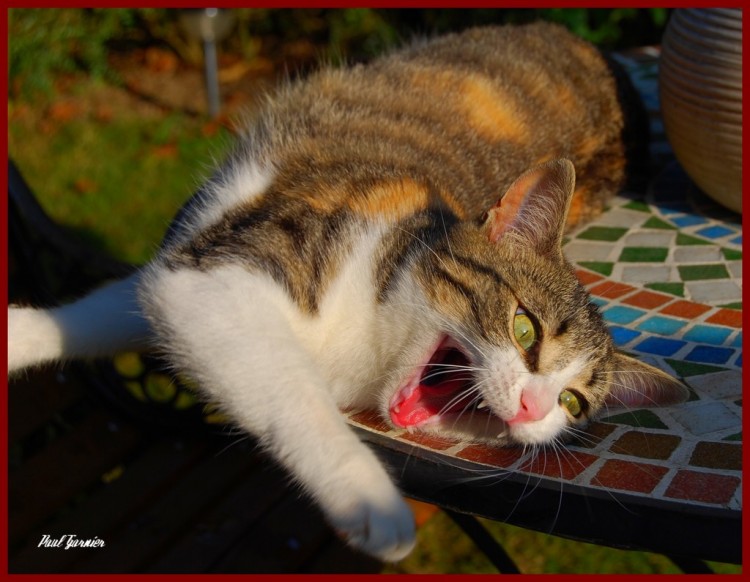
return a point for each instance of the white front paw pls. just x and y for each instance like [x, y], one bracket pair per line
[382, 526]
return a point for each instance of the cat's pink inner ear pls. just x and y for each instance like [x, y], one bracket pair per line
[535, 206]
[502, 215]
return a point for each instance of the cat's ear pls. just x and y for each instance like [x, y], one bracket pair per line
[635, 384]
[534, 208]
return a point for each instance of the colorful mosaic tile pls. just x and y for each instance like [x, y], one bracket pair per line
[629, 476]
[664, 266]
[566, 464]
[646, 445]
[717, 456]
[706, 487]
[672, 241]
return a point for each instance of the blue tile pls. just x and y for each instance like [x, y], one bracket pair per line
[715, 231]
[620, 314]
[689, 220]
[600, 301]
[738, 361]
[622, 335]
[737, 241]
[708, 334]
[660, 346]
[737, 341]
[710, 355]
[669, 208]
[661, 325]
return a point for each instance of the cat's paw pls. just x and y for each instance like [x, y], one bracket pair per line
[379, 525]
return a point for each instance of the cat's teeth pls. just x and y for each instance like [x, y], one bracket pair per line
[503, 434]
[482, 404]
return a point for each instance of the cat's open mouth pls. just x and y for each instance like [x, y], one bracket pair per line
[440, 387]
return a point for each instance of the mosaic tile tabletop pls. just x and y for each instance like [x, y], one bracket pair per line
[665, 268]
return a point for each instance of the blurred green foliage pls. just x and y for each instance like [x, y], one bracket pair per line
[44, 42]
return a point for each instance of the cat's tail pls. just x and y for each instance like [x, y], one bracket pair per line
[102, 323]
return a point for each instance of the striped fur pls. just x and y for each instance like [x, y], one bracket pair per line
[374, 241]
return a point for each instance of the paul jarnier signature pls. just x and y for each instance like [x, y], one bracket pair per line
[69, 541]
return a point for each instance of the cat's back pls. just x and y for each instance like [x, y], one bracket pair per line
[444, 123]
[450, 120]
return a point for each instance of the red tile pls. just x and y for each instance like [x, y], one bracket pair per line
[627, 476]
[496, 456]
[371, 419]
[648, 299]
[685, 309]
[587, 277]
[563, 464]
[730, 317]
[611, 290]
[429, 440]
[705, 487]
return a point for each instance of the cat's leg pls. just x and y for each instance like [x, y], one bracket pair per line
[105, 321]
[232, 331]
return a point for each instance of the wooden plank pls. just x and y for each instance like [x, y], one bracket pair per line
[338, 558]
[143, 479]
[215, 532]
[132, 547]
[68, 466]
[35, 398]
[281, 541]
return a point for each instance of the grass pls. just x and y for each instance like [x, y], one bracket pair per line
[116, 181]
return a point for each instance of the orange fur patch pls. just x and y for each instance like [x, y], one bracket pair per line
[492, 113]
[455, 207]
[588, 147]
[394, 200]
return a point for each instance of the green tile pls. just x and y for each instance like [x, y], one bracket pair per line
[606, 233]
[671, 288]
[654, 222]
[644, 255]
[639, 205]
[701, 272]
[733, 437]
[737, 306]
[686, 369]
[598, 267]
[641, 418]
[732, 255]
[684, 240]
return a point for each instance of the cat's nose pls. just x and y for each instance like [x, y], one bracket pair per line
[535, 405]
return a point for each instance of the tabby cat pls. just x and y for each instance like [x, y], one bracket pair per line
[388, 236]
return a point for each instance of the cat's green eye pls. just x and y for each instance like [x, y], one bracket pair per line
[571, 402]
[523, 330]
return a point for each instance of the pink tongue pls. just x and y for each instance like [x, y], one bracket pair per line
[425, 402]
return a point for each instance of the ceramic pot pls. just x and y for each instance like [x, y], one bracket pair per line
[700, 86]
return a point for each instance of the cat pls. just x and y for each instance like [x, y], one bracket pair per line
[388, 236]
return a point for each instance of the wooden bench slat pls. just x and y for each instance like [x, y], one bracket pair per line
[338, 558]
[132, 547]
[71, 464]
[36, 398]
[144, 478]
[217, 531]
[281, 541]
